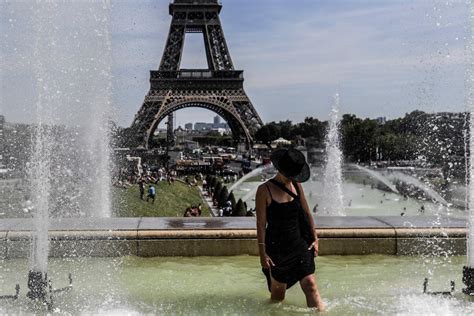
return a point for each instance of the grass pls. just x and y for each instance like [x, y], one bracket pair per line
[171, 201]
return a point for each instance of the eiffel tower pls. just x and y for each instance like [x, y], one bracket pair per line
[218, 88]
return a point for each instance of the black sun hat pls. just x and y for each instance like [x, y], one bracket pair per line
[291, 163]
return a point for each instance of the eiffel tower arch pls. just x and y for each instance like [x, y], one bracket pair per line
[218, 88]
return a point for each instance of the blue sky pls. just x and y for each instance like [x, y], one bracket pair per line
[384, 58]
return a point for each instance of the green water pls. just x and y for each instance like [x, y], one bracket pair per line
[350, 285]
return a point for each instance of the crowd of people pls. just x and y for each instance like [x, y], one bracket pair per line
[127, 179]
[146, 182]
[223, 201]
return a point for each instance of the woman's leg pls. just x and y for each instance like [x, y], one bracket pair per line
[310, 289]
[278, 290]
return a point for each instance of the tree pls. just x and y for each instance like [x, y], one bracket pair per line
[268, 133]
[240, 209]
[212, 182]
[217, 189]
[358, 138]
[223, 196]
[232, 200]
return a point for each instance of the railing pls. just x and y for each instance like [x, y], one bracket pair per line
[198, 74]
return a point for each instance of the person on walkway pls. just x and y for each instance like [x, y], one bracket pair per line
[227, 210]
[141, 187]
[151, 194]
[287, 240]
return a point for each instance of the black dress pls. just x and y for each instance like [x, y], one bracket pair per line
[285, 243]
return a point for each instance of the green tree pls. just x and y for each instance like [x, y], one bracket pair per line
[217, 189]
[240, 209]
[358, 138]
[223, 196]
[268, 133]
[232, 200]
[213, 182]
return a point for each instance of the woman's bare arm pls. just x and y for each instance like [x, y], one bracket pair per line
[261, 210]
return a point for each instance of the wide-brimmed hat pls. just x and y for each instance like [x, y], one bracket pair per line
[291, 163]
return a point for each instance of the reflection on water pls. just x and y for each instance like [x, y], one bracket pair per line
[235, 285]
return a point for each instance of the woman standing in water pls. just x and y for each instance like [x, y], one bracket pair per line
[287, 240]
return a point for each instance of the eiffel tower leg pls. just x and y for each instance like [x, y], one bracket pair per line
[141, 132]
[174, 48]
[170, 138]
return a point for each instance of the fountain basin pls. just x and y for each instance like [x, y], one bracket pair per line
[149, 237]
[350, 285]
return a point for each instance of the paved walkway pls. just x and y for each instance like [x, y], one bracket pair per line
[205, 196]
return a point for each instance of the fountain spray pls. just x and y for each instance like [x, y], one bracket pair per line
[40, 162]
[333, 196]
[468, 270]
[72, 70]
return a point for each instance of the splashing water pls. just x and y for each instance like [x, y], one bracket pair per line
[420, 185]
[470, 108]
[332, 202]
[377, 176]
[251, 174]
[253, 191]
[69, 168]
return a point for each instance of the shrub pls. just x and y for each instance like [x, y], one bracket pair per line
[232, 200]
[240, 209]
[223, 196]
[217, 189]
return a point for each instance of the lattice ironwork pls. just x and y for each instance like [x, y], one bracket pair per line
[218, 88]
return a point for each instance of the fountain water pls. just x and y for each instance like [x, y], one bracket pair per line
[40, 165]
[468, 270]
[332, 190]
[69, 165]
[420, 185]
[250, 175]
[374, 174]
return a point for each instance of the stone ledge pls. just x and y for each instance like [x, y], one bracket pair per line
[357, 246]
[356, 232]
[431, 232]
[78, 235]
[196, 234]
[238, 233]
[231, 236]
[431, 246]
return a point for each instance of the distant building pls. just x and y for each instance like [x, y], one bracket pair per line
[219, 125]
[188, 126]
[381, 120]
[202, 126]
[216, 125]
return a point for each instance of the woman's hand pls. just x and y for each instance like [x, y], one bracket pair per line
[266, 262]
[315, 247]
